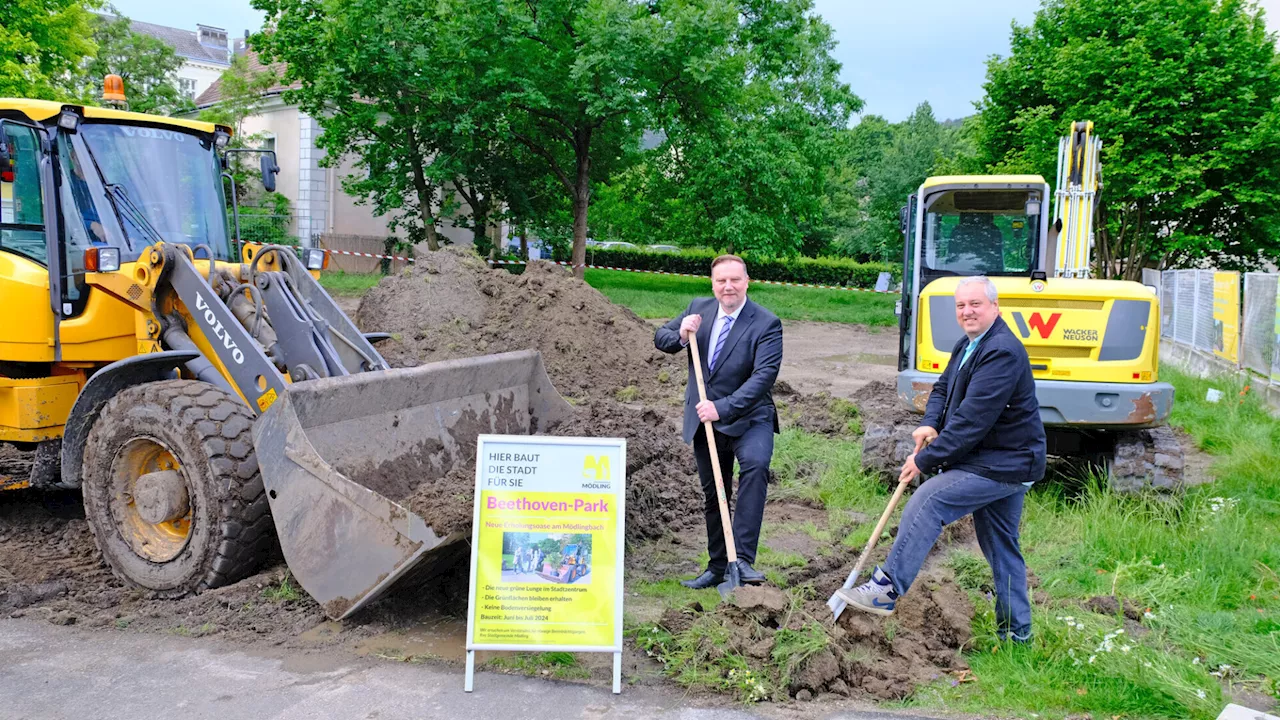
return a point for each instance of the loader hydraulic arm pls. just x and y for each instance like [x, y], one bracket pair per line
[236, 355]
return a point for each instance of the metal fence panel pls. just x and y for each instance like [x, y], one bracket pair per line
[1185, 315]
[1204, 310]
[1168, 302]
[1258, 320]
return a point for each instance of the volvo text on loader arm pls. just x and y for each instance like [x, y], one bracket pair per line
[207, 398]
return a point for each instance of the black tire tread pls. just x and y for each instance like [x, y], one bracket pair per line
[223, 424]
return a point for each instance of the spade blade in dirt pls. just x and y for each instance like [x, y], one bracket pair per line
[732, 581]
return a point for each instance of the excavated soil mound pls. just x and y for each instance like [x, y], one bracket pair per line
[860, 656]
[817, 413]
[662, 491]
[451, 305]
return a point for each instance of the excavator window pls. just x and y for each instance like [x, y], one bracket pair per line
[976, 233]
[21, 201]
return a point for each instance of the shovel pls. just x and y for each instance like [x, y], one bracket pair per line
[835, 603]
[732, 578]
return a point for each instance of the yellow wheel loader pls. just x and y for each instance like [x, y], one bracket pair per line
[1093, 344]
[206, 398]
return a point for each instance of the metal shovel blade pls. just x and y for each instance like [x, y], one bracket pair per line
[732, 581]
[339, 455]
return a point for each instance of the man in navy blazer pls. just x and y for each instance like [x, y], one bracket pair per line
[984, 444]
[740, 344]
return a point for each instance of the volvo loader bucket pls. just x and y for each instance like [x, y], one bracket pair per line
[340, 455]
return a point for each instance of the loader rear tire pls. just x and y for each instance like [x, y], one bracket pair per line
[192, 443]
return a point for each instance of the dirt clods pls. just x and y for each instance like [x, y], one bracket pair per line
[796, 644]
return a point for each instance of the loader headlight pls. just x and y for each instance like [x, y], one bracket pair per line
[102, 259]
[315, 258]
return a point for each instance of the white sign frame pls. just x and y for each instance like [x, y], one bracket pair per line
[619, 594]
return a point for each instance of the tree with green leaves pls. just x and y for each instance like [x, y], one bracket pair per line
[890, 161]
[575, 83]
[752, 175]
[1185, 95]
[148, 66]
[42, 43]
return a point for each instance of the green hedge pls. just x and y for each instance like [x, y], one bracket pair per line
[815, 271]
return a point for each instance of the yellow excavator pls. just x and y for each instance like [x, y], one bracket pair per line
[209, 398]
[1094, 344]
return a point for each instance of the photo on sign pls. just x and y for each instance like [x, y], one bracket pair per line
[559, 558]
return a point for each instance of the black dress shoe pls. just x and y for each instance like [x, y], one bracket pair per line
[748, 574]
[704, 581]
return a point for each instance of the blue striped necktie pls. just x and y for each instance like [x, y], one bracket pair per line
[724, 333]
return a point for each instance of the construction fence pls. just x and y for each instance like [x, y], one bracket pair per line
[363, 253]
[1212, 312]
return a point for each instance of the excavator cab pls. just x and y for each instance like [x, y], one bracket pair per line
[209, 399]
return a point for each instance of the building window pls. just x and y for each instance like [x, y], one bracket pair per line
[269, 143]
[187, 87]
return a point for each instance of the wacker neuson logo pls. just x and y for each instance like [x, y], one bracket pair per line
[1037, 323]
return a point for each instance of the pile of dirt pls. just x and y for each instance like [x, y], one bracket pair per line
[798, 647]
[816, 413]
[451, 305]
[662, 490]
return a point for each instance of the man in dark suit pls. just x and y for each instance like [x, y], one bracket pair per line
[983, 437]
[740, 345]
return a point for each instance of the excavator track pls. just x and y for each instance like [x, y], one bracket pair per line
[1146, 460]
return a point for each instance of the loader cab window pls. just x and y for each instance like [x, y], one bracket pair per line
[21, 202]
[164, 182]
[981, 232]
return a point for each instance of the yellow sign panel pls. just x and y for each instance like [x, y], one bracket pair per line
[1226, 315]
[546, 552]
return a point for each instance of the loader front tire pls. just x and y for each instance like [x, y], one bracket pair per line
[171, 488]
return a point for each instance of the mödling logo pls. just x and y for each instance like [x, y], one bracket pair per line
[1038, 323]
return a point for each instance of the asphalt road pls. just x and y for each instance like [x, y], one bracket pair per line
[53, 673]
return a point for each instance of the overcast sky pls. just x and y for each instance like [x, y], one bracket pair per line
[894, 56]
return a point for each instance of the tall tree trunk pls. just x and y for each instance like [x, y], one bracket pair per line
[581, 201]
[426, 194]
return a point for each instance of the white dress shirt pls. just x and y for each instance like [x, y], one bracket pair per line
[718, 326]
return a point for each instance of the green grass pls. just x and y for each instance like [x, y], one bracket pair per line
[282, 591]
[559, 665]
[349, 284]
[1203, 564]
[666, 296]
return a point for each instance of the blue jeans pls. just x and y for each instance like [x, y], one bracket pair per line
[997, 511]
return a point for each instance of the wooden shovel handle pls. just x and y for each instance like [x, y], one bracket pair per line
[725, 521]
[884, 519]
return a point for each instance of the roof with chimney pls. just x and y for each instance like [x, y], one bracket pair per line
[213, 94]
[205, 44]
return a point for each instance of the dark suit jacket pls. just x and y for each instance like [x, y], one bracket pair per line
[986, 413]
[741, 386]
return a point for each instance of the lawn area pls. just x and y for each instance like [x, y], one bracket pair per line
[348, 284]
[665, 296]
[1200, 568]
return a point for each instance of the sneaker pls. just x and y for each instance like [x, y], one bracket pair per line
[1024, 639]
[875, 596]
